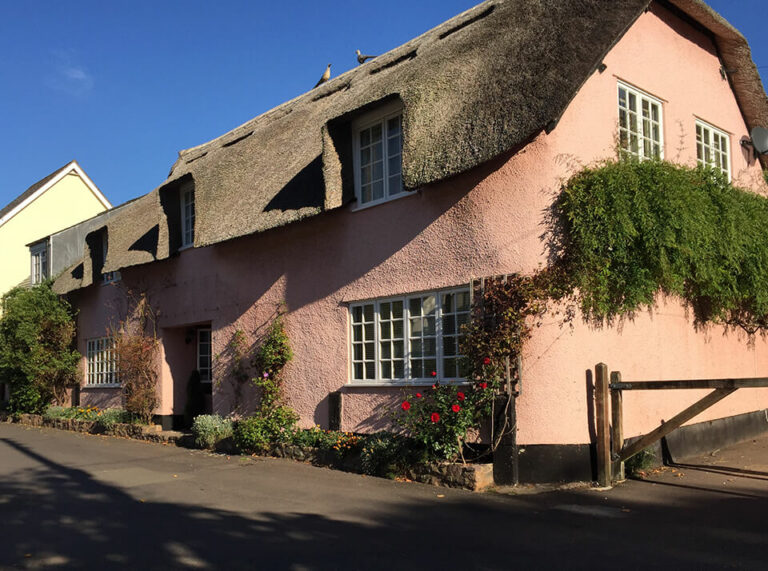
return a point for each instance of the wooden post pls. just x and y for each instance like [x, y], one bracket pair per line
[617, 429]
[603, 427]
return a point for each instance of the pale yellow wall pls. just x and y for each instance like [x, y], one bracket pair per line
[68, 202]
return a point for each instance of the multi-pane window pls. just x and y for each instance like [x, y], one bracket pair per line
[712, 148]
[204, 354]
[409, 338]
[640, 124]
[102, 362]
[187, 216]
[39, 269]
[378, 158]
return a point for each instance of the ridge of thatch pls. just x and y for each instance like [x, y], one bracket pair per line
[472, 88]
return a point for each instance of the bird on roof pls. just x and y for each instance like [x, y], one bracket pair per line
[361, 58]
[326, 76]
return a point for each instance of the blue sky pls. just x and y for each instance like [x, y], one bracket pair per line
[121, 87]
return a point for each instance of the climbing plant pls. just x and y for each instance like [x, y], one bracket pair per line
[631, 230]
[136, 346]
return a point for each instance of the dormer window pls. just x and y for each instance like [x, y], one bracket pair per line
[40, 269]
[107, 277]
[187, 216]
[378, 145]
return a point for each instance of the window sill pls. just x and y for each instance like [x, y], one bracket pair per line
[356, 206]
[404, 384]
[112, 386]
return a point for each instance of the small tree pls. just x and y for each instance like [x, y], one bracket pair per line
[38, 359]
[136, 346]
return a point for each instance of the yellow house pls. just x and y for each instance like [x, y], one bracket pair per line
[63, 198]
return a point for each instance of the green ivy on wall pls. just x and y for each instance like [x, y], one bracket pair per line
[628, 230]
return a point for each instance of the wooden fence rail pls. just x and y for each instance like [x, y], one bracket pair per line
[609, 415]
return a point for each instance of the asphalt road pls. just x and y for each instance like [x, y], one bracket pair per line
[70, 500]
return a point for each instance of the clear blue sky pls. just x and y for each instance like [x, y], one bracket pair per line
[122, 86]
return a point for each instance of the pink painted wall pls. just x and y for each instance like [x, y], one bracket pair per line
[486, 222]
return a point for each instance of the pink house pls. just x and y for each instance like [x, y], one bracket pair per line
[367, 205]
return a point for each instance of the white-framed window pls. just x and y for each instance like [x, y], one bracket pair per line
[713, 148]
[378, 147]
[107, 277]
[39, 256]
[187, 199]
[641, 132]
[204, 354]
[413, 338]
[101, 363]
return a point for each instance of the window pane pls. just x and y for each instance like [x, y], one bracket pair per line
[378, 190]
[378, 171]
[397, 309]
[376, 151]
[395, 185]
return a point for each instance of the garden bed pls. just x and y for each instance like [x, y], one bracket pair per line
[151, 433]
[475, 477]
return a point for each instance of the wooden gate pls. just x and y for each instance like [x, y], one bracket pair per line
[611, 450]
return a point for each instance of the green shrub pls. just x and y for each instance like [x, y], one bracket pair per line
[440, 418]
[53, 412]
[108, 418]
[633, 229]
[37, 355]
[208, 429]
[265, 428]
[388, 455]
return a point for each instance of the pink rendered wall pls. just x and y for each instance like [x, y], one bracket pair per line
[486, 222]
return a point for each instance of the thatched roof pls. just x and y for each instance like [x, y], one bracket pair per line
[481, 84]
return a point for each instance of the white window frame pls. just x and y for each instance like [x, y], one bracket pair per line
[381, 117]
[711, 139]
[101, 363]
[439, 336]
[205, 369]
[645, 125]
[40, 263]
[187, 203]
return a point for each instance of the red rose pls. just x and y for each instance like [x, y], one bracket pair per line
[435, 417]
[434, 373]
[487, 361]
[482, 385]
[460, 396]
[406, 405]
[434, 386]
[455, 408]
[418, 395]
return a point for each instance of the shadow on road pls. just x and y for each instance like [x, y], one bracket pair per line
[56, 515]
[724, 470]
